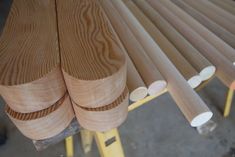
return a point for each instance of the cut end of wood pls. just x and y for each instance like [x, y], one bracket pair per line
[156, 87]
[207, 72]
[138, 94]
[201, 119]
[234, 63]
[195, 81]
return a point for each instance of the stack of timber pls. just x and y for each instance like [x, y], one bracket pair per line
[31, 81]
[93, 64]
[201, 38]
[194, 109]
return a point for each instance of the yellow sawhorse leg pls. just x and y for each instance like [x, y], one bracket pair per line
[69, 146]
[109, 143]
[228, 103]
[87, 139]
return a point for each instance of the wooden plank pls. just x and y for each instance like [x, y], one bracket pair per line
[199, 62]
[187, 100]
[31, 78]
[184, 67]
[143, 63]
[225, 70]
[46, 123]
[222, 33]
[92, 59]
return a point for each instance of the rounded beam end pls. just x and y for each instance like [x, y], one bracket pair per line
[207, 72]
[201, 119]
[138, 94]
[156, 87]
[195, 81]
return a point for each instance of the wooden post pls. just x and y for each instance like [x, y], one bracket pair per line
[69, 146]
[228, 103]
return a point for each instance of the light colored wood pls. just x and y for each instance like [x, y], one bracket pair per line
[199, 62]
[31, 78]
[214, 13]
[225, 70]
[224, 6]
[134, 82]
[46, 123]
[143, 63]
[103, 118]
[187, 100]
[222, 33]
[214, 40]
[92, 59]
[184, 67]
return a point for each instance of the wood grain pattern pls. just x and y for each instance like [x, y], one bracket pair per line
[224, 6]
[104, 120]
[222, 33]
[184, 67]
[214, 13]
[30, 77]
[45, 126]
[199, 62]
[187, 100]
[150, 74]
[92, 59]
[225, 70]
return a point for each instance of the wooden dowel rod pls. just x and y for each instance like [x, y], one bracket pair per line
[224, 6]
[143, 63]
[213, 13]
[225, 70]
[188, 101]
[135, 84]
[214, 40]
[222, 33]
[184, 67]
[199, 62]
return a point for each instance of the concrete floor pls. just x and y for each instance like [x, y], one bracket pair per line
[157, 129]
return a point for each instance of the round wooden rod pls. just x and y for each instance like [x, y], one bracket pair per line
[31, 78]
[222, 33]
[199, 62]
[187, 100]
[143, 63]
[135, 83]
[225, 70]
[213, 12]
[54, 120]
[92, 59]
[224, 6]
[104, 120]
[214, 40]
[184, 67]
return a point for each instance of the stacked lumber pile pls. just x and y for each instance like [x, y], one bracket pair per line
[88, 58]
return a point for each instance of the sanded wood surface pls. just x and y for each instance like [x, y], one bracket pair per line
[208, 23]
[142, 62]
[214, 40]
[200, 63]
[192, 106]
[184, 67]
[105, 118]
[92, 59]
[225, 70]
[224, 6]
[214, 13]
[30, 77]
[44, 124]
